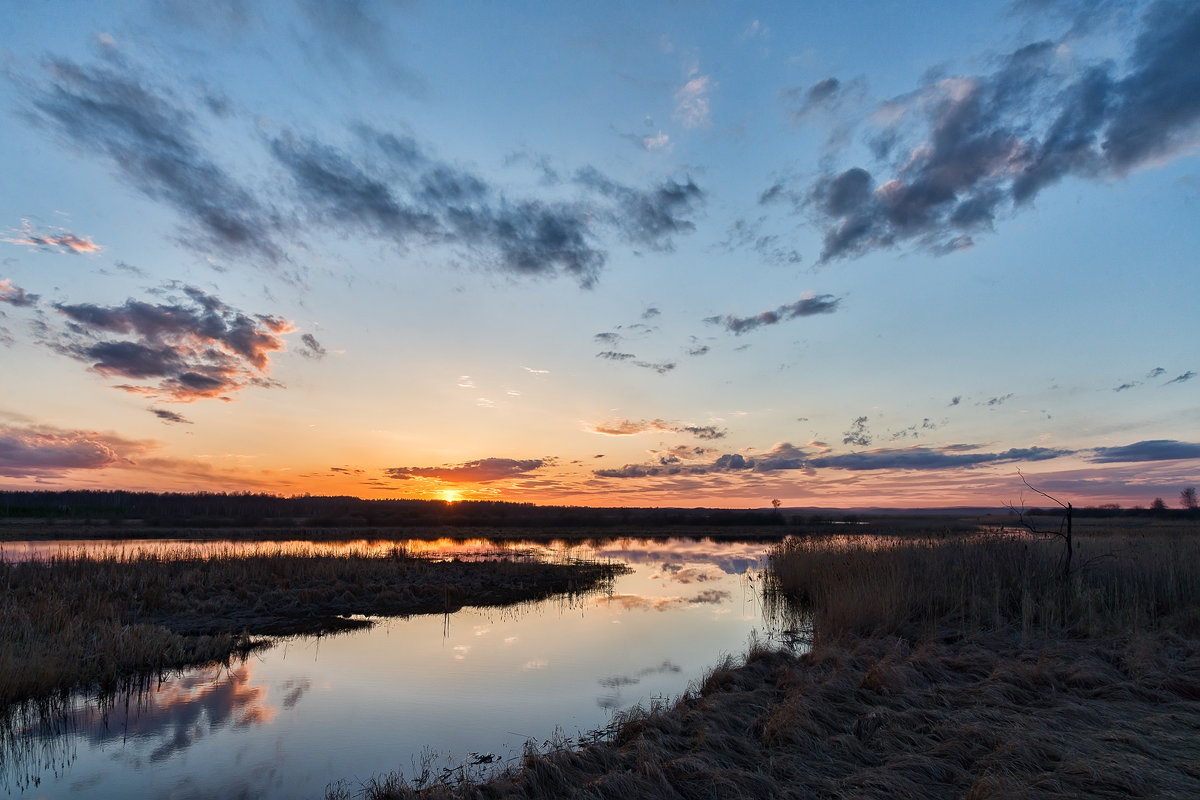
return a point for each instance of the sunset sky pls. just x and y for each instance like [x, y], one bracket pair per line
[655, 254]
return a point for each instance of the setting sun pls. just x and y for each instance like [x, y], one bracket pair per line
[451, 496]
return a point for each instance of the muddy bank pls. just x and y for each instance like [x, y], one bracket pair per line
[81, 622]
[980, 718]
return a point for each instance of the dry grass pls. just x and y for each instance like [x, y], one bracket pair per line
[920, 588]
[943, 668]
[86, 622]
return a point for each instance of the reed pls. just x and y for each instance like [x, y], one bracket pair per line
[942, 667]
[922, 588]
[79, 621]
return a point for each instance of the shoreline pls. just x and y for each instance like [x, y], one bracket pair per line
[982, 717]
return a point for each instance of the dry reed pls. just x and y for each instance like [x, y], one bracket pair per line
[943, 668]
[78, 621]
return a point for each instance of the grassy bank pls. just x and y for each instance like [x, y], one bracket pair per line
[80, 621]
[941, 667]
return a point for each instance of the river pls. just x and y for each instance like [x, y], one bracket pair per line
[446, 693]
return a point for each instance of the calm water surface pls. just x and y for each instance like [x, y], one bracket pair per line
[310, 711]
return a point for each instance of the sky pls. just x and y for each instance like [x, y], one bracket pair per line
[894, 254]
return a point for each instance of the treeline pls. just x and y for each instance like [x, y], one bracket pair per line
[247, 509]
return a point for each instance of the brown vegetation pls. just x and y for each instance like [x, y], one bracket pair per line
[81, 621]
[944, 667]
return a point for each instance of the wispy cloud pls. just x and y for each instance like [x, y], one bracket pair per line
[805, 307]
[1184, 378]
[194, 346]
[652, 217]
[628, 427]
[311, 347]
[58, 240]
[149, 138]
[170, 416]
[692, 105]
[484, 470]
[925, 458]
[959, 151]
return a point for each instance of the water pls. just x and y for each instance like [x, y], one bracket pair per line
[439, 691]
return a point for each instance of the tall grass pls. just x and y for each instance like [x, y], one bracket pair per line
[82, 621]
[937, 586]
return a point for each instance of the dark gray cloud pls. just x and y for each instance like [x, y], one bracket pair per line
[398, 191]
[996, 401]
[1154, 373]
[1148, 450]
[647, 217]
[608, 337]
[194, 346]
[960, 151]
[806, 307]
[783, 456]
[170, 416]
[858, 434]
[312, 348]
[482, 471]
[613, 355]
[923, 458]
[661, 367]
[150, 139]
[14, 295]
[1184, 378]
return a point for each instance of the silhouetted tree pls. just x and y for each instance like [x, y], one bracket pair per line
[1158, 505]
[1187, 499]
[1064, 531]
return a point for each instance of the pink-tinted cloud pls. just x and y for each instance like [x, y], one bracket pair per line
[190, 348]
[41, 451]
[58, 240]
[629, 427]
[14, 295]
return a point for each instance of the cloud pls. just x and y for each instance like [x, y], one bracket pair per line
[1184, 378]
[858, 434]
[170, 416]
[661, 367]
[647, 217]
[150, 141]
[481, 471]
[193, 346]
[613, 355]
[924, 458]
[959, 151]
[997, 401]
[1148, 450]
[58, 240]
[783, 456]
[14, 295]
[395, 190]
[312, 348]
[692, 106]
[42, 451]
[628, 427]
[805, 307]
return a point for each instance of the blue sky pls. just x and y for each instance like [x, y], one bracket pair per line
[653, 253]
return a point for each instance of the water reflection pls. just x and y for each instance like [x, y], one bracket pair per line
[312, 711]
[150, 722]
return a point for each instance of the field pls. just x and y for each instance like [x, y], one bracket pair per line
[943, 666]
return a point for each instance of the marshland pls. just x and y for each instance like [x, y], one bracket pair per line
[828, 660]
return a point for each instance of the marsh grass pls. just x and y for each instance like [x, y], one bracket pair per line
[942, 667]
[80, 621]
[953, 585]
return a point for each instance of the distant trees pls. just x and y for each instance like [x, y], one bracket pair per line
[1158, 505]
[1187, 499]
